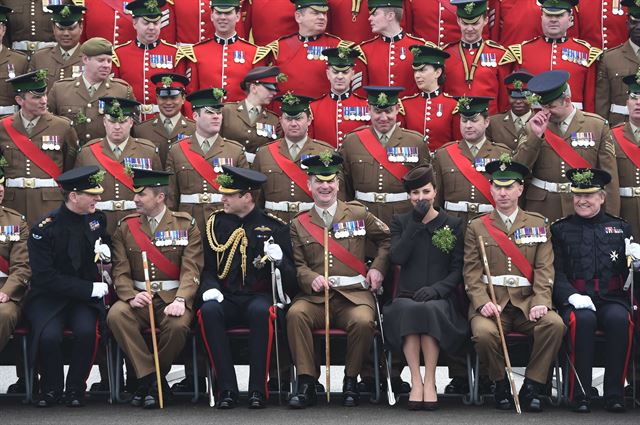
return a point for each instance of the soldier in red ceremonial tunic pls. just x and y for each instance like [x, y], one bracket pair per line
[387, 58]
[349, 20]
[193, 21]
[477, 66]
[136, 61]
[339, 112]
[554, 50]
[224, 60]
[112, 20]
[430, 112]
[602, 23]
[267, 20]
[436, 20]
[514, 23]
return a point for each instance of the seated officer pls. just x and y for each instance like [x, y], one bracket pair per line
[236, 281]
[174, 247]
[591, 269]
[351, 304]
[521, 258]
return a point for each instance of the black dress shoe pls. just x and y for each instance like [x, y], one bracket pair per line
[399, 386]
[228, 400]
[306, 396]
[366, 385]
[319, 387]
[614, 405]
[581, 406]
[49, 399]
[457, 385]
[257, 400]
[18, 387]
[486, 385]
[530, 396]
[152, 398]
[99, 386]
[73, 398]
[350, 393]
[414, 405]
[502, 395]
[140, 393]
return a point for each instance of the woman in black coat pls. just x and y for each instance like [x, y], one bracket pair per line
[423, 317]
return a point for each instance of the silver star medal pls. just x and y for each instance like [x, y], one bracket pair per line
[614, 256]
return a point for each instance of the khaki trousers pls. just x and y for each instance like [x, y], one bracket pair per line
[9, 316]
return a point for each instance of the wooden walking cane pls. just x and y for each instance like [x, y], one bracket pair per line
[505, 351]
[152, 322]
[327, 347]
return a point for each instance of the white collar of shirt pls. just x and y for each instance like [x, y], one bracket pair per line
[248, 105]
[25, 121]
[511, 217]
[71, 51]
[174, 119]
[477, 145]
[211, 140]
[88, 85]
[158, 217]
[300, 143]
[388, 133]
[524, 117]
[112, 145]
[332, 209]
[635, 47]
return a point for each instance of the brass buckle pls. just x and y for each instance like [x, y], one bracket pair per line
[29, 182]
[564, 187]
[379, 197]
[146, 109]
[32, 46]
[636, 191]
[155, 287]
[473, 207]
[512, 281]
[118, 205]
[204, 198]
[293, 207]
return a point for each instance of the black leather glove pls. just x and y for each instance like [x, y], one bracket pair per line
[426, 293]
[420, 210]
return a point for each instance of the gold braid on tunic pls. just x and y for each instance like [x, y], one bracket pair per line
[238, 237]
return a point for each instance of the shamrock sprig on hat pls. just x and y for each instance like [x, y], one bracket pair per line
[65, 12]
[41, 75]
[517, 84]
[582, 177]
[166, 81]
[464, 102]
[290, 98]
[469, 7]
[638, 73]
[326, 157]
[505, 159]
[80, 118]
[151, 5]
[3, 161]
[218, 93]
[383, 99]
[224, 180]
[638, 3]
[116, 110]
[415, 51]
[281, 78]
[444, 239]
[533, 98]
[98, 177]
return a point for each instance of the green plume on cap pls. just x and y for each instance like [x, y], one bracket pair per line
[343, 52]
[41, 75]
[505, 159]
[583, 177]
[517, 84]
[383, 99]
[290, 99]
[326, 157]
[464, 102]
[415, 51]
[151, 5]
[224, 180]
[65, 12]
[218, 93]
[166, 81]
[469, 7]
[98, 177]
[533, 98]
[3, 161]
[281, 78]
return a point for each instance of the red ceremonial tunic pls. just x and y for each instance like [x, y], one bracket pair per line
[193, 21]
[335, 116]
[431, 114]
[268, 20]
[602, 23]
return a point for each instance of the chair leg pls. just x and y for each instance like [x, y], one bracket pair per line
[118, 376]
[28, 375]
[376, 372]
[468, 398]
[210, 380]
[477, 399]
[196, 378]
[110, 369]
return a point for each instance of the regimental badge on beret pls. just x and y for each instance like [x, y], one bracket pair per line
[383, 100]
[326, 157]
[152, 6]
[166, 81]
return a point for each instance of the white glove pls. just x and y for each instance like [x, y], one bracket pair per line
[212, 294]
[273, 251]
[100, 289]
[102, 251]
[631, 249]
[581, 301]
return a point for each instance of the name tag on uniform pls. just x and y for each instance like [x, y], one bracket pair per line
[530, 235]
[583, 139]
[161, 61]
[171, 238]
[9, 233]
[50, 143]
[349, 229]
[402, 154]
[613, 230]
[219, 162]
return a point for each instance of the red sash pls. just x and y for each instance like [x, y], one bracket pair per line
[292, 170]
[199, 164]
[117, 5]
[629, 147]
[162, 263]
[338, 251]
[469, 171]
[508, 247]
[379, 153]
[4, 265]
[114, 168]
[30, 150]
[564, 151]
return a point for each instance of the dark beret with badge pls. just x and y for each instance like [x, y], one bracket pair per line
[470, 11]
[268, 76]
[588, 180]
[143, 177]
[169, 84]
[317, 5]
[293, 104]
[66, 15]
[516, 84]
[33, 82]
[548, 86]
[147, 9]
[504, 171]
[82, 179]
[470, 106]
[383, 97]
[324, 166]
[207, 98]
[236, 179]
[427, 55]
[633, 82]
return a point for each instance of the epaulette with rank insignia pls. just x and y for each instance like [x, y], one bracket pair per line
[183, 214]
[361, 54]
[276, 218]
[45, 222]
[186, 51]
[535, 214]
[495, 45]
[261, 53]
[516, 52]
[274, 46]
[594, 52]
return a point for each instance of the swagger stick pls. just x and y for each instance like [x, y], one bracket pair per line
[505, 351]
[391, 397]
[275, 321]
[98, 258]
[152, 322]
[327, 347]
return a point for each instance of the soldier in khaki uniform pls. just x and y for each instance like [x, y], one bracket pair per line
[12, 63]
[286, 192]
[507, 128]
[248, 121]
[520, 258]
[77, 98]
[614, 65]
[560, 137]
[64, 58]
[196, 161]
[377, 156]
[115, 154]
[351, 304]
[30, 185]
[175, 264]
[170, 126]
[30, 25]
